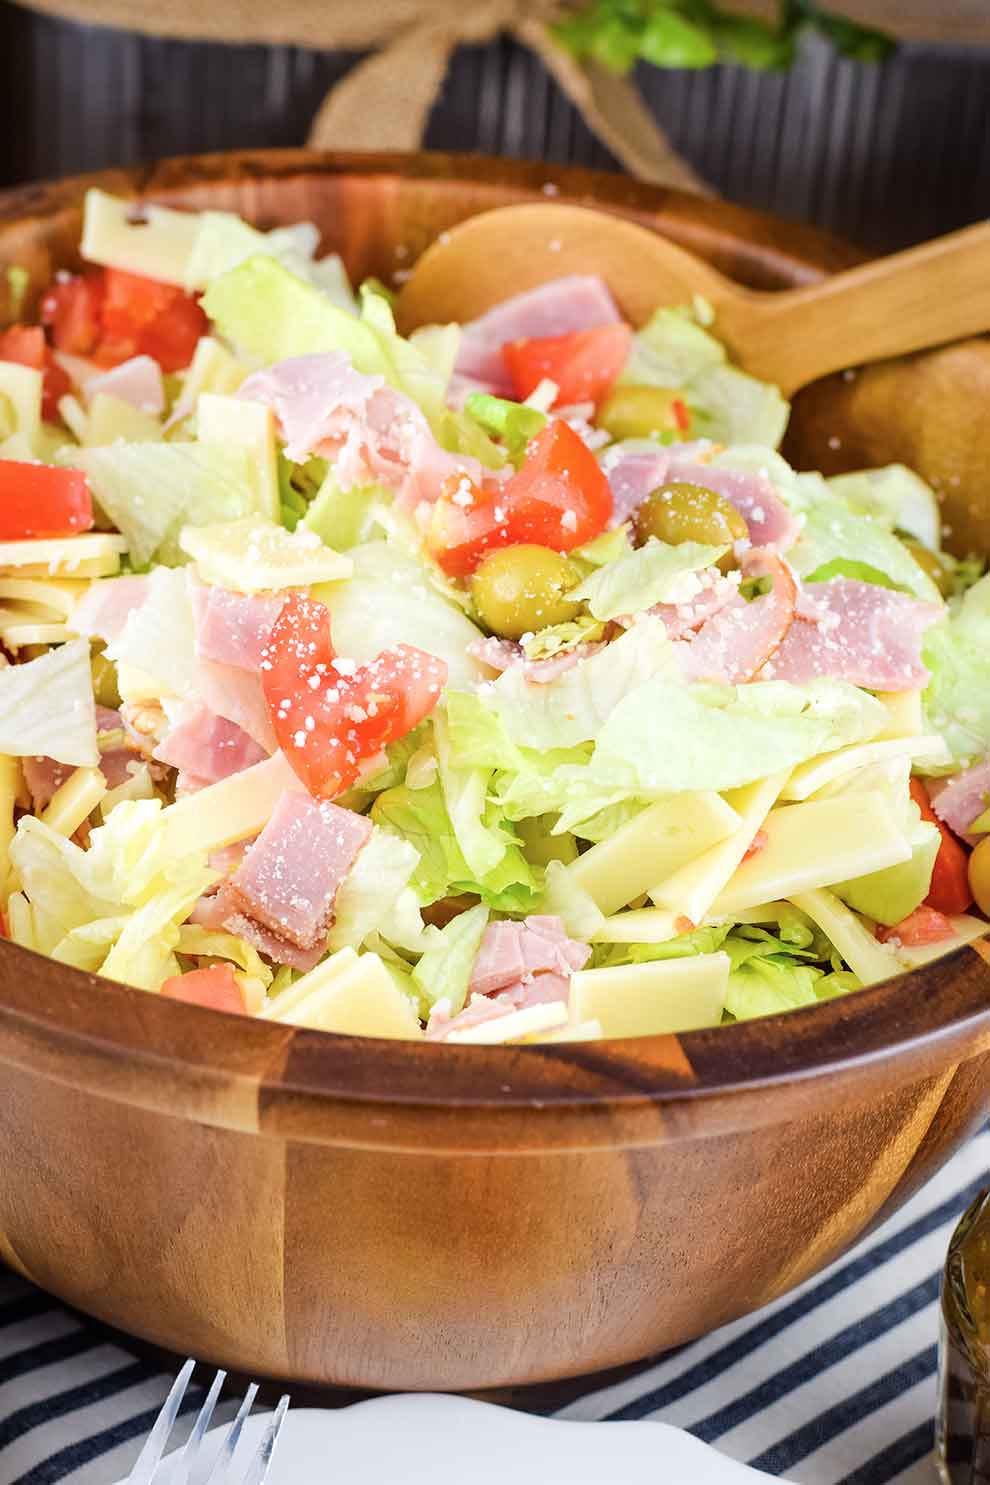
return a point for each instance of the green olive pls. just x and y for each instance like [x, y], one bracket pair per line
[523, 588]
[638, 412]
[979, 875]
[104, 674]
[931, 563]
[682, 512]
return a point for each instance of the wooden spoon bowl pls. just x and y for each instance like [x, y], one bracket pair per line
[397, 1215]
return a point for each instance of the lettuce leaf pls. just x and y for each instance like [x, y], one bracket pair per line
[653, 573]
[151, 490]
[47, 708]
[368, 893]
[391, 599]
[513, 423]
[727, 405]
[444, 971]
[833, 530]
[736, 734]
[957, 700]
[896, 496]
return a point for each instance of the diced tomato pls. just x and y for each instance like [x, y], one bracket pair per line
[467, 523]
[40, 500]
[584, 364]
[559, 498]
[215, 988]
[331, 715]
[112, 315]
[72, 310]
[926, 925]
[682, 414]
[949, 892]
[26, 345]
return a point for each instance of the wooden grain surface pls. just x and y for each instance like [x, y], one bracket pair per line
[388, 1215]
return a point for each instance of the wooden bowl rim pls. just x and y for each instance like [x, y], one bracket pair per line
[257, 1076]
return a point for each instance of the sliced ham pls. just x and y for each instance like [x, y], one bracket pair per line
[578, 302]
[208, 746]
[926, 925]
[272, 945]
[370, 433]
[769, 521]
[543, 989]
[516, 953]
[861, 633]
[137, 382]
[681, 619]
[633, 474]
[289, 879]
[107, 605]
[232, 628]
[734, 645]
[44, 777]
[961, 800]
[237, 694]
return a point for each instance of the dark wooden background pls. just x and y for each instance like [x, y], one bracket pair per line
[885, 154]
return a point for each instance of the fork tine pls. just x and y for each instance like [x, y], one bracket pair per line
[190, 1454]
[220, 1472]
[258, 1469]
[148, 1460]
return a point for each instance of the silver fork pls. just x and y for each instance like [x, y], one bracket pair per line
[190, 1467]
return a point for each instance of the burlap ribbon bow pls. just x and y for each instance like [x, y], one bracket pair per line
[384, 102]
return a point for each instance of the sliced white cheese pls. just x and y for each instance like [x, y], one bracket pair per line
[21, 387]
[111, 418]
[212, 369]
[74, 416]
[20, 632]
[808, 778]
[280, 1006]
[363, 1000]
[53, 598]
[692, 890]
[221, 419]
[87, 567]
[62, 555]
[967, 930]
[641, 926]
[74, 800]
[651, 846]
[529, 1022]
[135, 684]
[905, 713]
[648, 999]
[231, 810]
[813, 845]
[254, 556]
[865, 956]
[155, 241]
[586, 1031]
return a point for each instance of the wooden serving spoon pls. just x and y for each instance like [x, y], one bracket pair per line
[909, 301]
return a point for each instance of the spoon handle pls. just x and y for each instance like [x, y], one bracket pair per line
[925, 296]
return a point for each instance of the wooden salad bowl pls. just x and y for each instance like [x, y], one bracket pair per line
[397, 1215]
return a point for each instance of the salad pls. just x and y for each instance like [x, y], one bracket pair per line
[501, 683]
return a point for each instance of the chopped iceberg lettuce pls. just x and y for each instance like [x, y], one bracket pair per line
[833, 530]
[47, 708]
[957, 700]
[444, 971]
[366, 896]
[673, 351]
[653, 573]
[896, 496]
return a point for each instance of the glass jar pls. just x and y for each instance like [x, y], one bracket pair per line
[962, 1426]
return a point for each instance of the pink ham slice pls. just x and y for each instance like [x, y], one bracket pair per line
[578, 302]
[208, 747]
[632, 475]
[733, 645]
[511, 953]
[682, 619]
[218, 913]
[863, 634]
[289, 878]
[961, 800]
[105, 608]
[543, 989]
[371, 433]
[769, 521]
[233, 628]
[44, 777]
[137, 382]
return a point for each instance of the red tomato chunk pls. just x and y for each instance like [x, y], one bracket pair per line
[38, 500]
[111, 316]
[215, 988]
[949, 892]
[584, 364]
[332, 715]
[26, 346]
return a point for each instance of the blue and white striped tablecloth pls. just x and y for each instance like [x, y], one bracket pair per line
[833, 1383]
